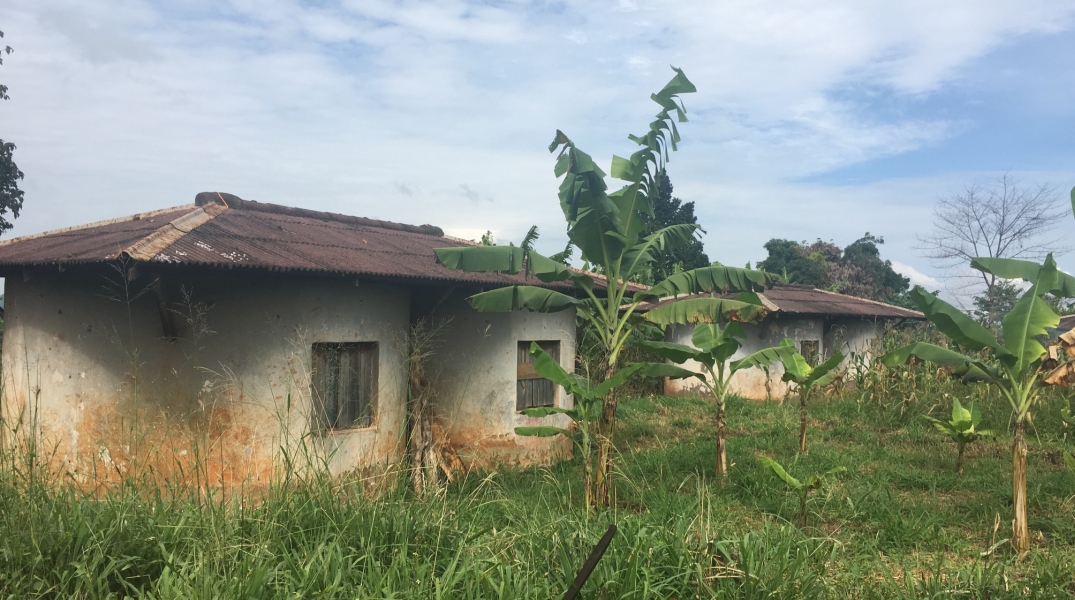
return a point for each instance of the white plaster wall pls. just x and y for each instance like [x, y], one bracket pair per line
[102, 384]
[857, 339]
[474, 372]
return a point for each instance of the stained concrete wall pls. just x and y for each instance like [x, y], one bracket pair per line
[844, 335]
[87, 367]
[474, 372]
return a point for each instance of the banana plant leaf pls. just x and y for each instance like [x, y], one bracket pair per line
[967, 368]
[518, 297]
[780, 472]
[824, 373]
[962, 329]
[677, 353]
[1010, 268]
[762, 358]
[545, 411]
[642, 255]
[504, 259]
[549, 270]
[707, 336]
[541, 431]
[550, 369]
[705, 310]
[816, 481]
[796, 368]
[618, 379]
[719, 342]
[713, 279]
[670, 371]
[1030, 319]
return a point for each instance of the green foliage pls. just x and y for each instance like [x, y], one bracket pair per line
[587, 403]
[515, 533]
[807, 378]
[989, 308]
[1015, 365]
[713, 347]
[11, 197]
[962, 427]
[609, 229]
[802, 488]
[1067, 416]
[668, 210]
[1014, 368]
[856, 270]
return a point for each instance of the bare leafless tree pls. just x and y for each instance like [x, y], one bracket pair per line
[1002, 220]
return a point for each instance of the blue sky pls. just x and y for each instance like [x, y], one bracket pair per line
[813, 120]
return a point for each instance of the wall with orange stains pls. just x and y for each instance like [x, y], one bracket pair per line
[474, 372]
[87, 368]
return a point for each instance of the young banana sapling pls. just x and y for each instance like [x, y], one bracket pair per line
[801, 488]
[714, 346]
[962, 428]
[585, 413]
[798, 371]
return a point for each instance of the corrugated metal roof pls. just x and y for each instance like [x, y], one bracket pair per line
[221, 230]
[807, 300]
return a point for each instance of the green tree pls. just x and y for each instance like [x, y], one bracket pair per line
[11, 196]
[668, 210]
[989, 311]
[794, 262]
[857, 270]
[881, 282]
[608, 229]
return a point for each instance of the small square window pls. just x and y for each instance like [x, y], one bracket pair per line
[810, 350]
[532, 390]
[344, 384]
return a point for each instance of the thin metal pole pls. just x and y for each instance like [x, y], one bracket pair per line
[587, 567]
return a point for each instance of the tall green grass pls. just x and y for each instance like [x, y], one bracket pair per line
[900, 524]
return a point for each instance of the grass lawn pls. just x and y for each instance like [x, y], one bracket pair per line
[899, 523]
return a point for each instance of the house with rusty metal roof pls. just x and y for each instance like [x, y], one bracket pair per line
[241, 331]
[819, 321]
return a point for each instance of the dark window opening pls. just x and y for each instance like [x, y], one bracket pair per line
[532, 390]
[345, 384]
[810, 350]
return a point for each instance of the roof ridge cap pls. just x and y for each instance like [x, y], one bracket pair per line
[158, 241]
[878, 302]
[134, 217]
[236, 203]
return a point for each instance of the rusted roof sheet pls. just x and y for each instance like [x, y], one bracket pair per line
[221, 230]
[807, 300]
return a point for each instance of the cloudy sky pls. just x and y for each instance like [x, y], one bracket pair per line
[823, 119]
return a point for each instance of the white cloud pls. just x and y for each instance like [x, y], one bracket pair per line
[385, 109]
[917, 277]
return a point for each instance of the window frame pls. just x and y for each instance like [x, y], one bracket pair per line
[524, 372]
[366, 363]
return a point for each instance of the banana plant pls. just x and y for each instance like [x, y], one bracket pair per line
[807, 379]
[1014, 367]
[1067, 417]
[962, 428]
[801, 488]
[585, 411]
[607, 228]
[713, 347]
